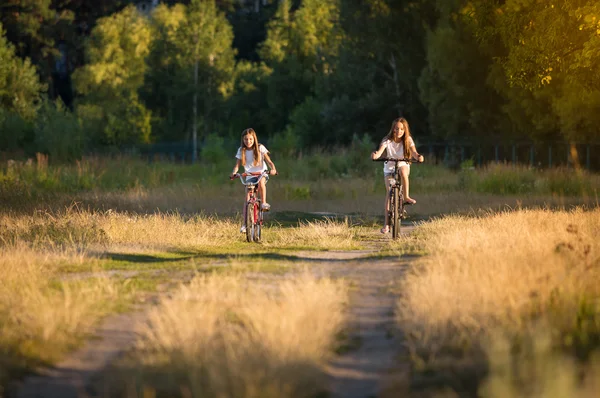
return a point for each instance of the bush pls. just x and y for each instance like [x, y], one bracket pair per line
[213, 150]
[286, 144]
[16, 131]
[58, 132]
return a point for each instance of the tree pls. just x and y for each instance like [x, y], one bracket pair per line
[191, 68]
[109, 83]
[20, 86]
[302, 45]
[454, 84]
[552, 53]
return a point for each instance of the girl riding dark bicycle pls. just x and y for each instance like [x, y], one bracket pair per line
[399, 145]
[255, 158]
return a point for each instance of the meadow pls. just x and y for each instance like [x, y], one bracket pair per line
[505, 271]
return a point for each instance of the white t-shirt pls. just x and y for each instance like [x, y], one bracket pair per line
[395, 150]
[249, 167]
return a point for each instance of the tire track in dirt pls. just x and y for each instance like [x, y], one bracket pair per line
[369, 366]
[363, 369]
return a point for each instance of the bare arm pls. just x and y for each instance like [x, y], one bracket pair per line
[270, 163]
[376, 154]
[415, 155]
[236, 167]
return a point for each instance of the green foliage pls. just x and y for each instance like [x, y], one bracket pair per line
[189, 38]
[301, 47]
[546, 49]
[213, 149]
[247, 105]
[58, 133]
[505, 180]
[34, 26]
[20, 86]
[360, 153]
[454, 82]
[116, 51]
[567, 183]
[307, 123]
[286, 144]
[16, 131]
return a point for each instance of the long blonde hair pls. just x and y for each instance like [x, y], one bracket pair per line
[255, 147]
[405, 137]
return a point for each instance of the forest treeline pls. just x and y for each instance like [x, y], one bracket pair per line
[79, 76]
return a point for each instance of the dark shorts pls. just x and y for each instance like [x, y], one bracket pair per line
[254, 179]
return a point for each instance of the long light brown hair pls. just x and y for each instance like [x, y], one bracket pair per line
[405, 137]
[255, 147]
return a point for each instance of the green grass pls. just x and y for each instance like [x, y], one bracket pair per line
[323, 175]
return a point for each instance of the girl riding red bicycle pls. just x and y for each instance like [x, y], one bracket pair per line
[255, 158]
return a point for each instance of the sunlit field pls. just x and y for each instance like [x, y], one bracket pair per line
[513, 287]
[507, 259]
[223, 335]
[62, 272]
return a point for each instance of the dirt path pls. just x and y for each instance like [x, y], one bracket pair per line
[369, 365]
[361, 370]
[70, 378]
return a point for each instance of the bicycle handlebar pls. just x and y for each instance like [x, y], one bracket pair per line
[396, 160]
[241, 176]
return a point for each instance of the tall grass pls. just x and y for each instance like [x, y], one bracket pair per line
[505, 272]
[537, 370]
[42, 317]
[498, 178]
[223, 336]
[345, 165]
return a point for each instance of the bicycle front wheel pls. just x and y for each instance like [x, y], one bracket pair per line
[395, 208]
[259, 221]
[250, 224]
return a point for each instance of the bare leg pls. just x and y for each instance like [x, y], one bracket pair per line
[404, 173]
[262, 190]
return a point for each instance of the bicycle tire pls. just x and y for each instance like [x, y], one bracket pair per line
[258, 227]
[396, 207]
[250, 222]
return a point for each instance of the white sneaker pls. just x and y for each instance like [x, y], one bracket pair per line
[265, 207]
[243, 229]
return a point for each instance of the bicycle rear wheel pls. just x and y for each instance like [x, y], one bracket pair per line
[395, 208]
[250, 222]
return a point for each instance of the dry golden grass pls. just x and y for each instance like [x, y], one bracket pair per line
[538, 371]
[109, 230]
[173, 231]
[41, 316]
[503, 274]
[496, 269]
[222, 335]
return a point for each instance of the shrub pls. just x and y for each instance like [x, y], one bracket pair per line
[58, 132]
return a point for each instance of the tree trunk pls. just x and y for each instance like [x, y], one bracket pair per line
[397, 85]
[195, 121]
[574, 156]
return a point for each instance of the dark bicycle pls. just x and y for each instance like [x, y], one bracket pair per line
[396, 209]
[254, 211]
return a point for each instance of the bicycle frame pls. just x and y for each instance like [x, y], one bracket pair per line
[395, 209]
[253, 212]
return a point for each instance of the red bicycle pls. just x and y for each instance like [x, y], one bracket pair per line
[253, 210]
